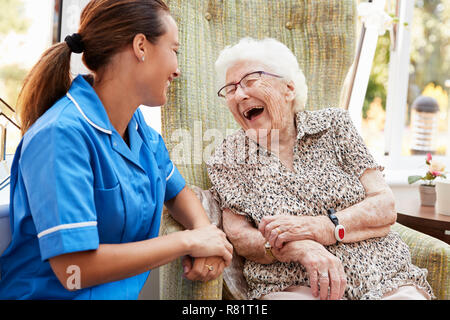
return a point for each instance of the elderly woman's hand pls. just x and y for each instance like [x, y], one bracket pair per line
[323, 268]
[281, 229]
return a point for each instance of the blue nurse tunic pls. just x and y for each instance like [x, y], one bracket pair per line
[76, 184]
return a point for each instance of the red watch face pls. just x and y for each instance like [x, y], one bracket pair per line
[339, 232]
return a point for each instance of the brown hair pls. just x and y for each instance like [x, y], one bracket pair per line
[106, 27]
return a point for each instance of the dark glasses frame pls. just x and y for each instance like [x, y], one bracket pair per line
[260, 72]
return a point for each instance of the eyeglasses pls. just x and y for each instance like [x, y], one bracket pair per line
[246, 82]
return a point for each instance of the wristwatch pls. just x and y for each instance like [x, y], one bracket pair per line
[339, 230]
[268, 249]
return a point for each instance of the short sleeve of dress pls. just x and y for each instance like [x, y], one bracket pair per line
[56, 170]
[352, 152]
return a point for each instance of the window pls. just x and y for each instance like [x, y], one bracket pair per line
[398, 125]
[70, 19]
[373, 113]
[27, 28]
[426, 126]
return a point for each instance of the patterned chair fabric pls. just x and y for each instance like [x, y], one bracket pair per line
[429, 253]
[321, 33]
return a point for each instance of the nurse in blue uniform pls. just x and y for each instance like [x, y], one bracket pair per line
[90, 178]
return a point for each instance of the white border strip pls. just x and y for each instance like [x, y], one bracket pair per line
[171, 173]
[87, 119]
[67, 226]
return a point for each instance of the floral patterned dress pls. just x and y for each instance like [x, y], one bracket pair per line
[329, 158]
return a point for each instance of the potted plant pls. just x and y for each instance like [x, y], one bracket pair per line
[427, 188]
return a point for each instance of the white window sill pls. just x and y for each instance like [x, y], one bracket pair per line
[397, 178]
[396, 173]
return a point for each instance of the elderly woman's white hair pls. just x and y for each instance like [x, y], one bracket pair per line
[273, 54]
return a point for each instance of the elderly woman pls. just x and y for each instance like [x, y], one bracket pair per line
[303, 200]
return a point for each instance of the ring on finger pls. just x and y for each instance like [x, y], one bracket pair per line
[323, 274]
[210, 268]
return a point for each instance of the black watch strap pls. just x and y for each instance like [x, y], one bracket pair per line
[339, 230]
[331, 214]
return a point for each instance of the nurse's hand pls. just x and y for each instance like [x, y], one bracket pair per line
[209, 241]
[202, 269]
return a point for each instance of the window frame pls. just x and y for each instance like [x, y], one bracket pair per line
[397, 165]
[397, 96]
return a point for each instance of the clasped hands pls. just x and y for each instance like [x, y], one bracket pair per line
[202, 269]
[210, 253]
[301, 239]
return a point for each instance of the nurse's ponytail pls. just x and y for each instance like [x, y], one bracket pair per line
[106, 27]
[47, 81]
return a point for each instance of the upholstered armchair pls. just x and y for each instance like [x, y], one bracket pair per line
[321, 33]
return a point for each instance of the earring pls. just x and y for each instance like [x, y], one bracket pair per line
[143, 58]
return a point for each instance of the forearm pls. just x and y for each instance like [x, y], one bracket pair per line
[113, 262]
[250, 245]
[369, 218]
[367, 233]
[247, 241]
[187, 209]
[375, 211]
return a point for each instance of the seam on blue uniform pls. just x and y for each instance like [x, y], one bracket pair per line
[171, 173]
[87, 119]
[67, 226]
